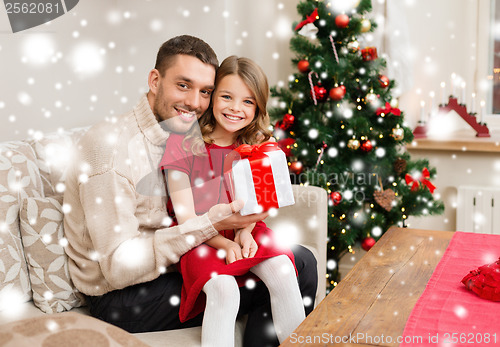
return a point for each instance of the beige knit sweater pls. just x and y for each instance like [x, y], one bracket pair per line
[116, 227]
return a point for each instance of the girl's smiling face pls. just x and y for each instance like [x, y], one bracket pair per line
[234, 107]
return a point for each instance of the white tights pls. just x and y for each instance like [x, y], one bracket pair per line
[223, 301]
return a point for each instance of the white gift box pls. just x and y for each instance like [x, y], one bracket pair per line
[264, 179]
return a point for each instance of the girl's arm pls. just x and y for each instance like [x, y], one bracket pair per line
[179, 189]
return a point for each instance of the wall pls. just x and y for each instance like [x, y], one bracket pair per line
[456, 168]
[115, 43]
[447, 37]
[93, 62]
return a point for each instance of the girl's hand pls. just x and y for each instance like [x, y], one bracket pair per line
[233, 251]
[245, 239]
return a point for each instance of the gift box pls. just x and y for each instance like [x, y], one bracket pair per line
[369, 53]
[259, 176]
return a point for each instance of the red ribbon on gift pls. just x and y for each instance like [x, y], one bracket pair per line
[309, 19]
[424, 179]
[261, 171]
[388, 109]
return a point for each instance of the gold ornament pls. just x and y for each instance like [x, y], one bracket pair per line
[353, 144]
[366, 25]
[394, 103]
[370, 97]
[353, 46]
[398, 133]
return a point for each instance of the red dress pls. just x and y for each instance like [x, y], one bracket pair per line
[201, 263]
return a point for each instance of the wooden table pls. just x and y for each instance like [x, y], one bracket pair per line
[371, 304]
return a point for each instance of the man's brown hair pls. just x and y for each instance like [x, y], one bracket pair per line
[187, 45]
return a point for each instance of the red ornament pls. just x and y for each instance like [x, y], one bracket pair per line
[342, 21]
[279, 125]
[369, 53]
[384, 81]
[366, 146]
[336, 198]
[296, 167]
[337, 93]
[288, 121]
[368, 243]
[303, 66]
[320, 92]
[286, 145]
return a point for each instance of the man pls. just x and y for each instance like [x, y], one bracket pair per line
[122, 251]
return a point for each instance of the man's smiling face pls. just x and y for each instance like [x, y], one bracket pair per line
[182, 95]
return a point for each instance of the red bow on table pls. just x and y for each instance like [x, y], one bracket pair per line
[309, 19]
[485, 281]
[424, 179]
[388, 109]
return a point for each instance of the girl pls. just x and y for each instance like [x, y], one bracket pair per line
[212, 272]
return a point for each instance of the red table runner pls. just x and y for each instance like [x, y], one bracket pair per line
[447, 314]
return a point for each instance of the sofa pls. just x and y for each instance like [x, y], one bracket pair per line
[39, 304]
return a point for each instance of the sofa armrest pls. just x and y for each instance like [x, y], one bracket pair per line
[305, 223]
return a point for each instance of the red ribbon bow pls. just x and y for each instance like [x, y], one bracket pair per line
[246, 151]
[388, 109]
[424, 179]
[309, 19]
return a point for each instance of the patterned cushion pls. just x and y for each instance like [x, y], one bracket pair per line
[65, 329]
[19, 178]
[43, 239]
[53, 152]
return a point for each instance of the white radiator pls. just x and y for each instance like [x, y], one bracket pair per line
[478, 209]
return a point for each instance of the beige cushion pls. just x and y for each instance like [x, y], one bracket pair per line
[53, 154]
[65, 329]
[305, 223]
[19, 178]
[43, 239]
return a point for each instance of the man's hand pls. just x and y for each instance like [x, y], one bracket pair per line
[244, 238]
[227, 216]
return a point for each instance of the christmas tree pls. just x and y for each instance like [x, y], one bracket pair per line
[342, 130]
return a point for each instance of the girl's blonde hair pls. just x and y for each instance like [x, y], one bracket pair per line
[255, 79]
